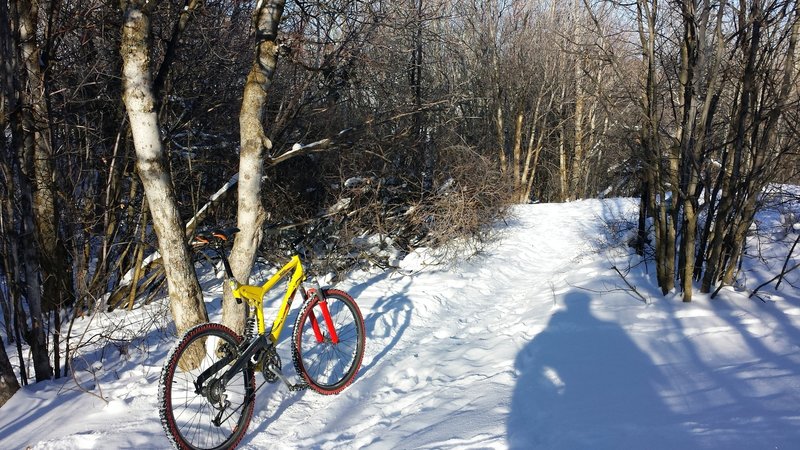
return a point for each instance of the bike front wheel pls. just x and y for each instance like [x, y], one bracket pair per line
[198, 410]
[328, 360]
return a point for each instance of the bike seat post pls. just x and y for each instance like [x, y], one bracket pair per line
[218, 246]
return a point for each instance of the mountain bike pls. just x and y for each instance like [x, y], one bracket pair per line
[207, 387]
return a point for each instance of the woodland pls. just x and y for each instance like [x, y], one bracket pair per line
[342, 129]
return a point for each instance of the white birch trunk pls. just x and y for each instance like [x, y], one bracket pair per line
[250, 213]
[186, 300]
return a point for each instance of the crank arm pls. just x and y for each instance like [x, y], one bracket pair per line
[292, 387]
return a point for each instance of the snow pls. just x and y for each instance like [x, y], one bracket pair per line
[536, 342]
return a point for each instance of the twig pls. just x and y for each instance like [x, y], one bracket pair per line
[783, 272]
[71, 359]
[633, 288]
[786, 262]
[83, 389]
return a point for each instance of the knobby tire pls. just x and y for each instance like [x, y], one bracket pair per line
[186, 415]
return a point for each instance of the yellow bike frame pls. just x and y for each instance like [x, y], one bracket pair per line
[254, 295]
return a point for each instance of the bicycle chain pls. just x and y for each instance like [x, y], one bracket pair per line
[301, 386]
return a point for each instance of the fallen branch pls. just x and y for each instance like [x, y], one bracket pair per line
[786, 262]
[633, 288]
[215, 198]
[780, 275]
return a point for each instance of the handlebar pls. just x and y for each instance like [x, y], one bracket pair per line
[215, 238]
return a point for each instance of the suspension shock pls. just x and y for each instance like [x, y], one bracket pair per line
[251, 328]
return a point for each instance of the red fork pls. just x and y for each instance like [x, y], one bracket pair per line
[326, 315]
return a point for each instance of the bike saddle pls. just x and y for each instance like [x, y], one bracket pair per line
[214, 236]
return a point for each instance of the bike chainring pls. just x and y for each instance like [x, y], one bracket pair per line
[269, 356]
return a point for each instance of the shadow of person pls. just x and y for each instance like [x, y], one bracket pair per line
[583, 384]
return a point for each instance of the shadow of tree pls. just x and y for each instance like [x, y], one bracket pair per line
[745, 382]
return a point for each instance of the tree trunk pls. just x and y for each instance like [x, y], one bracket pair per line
[689, 236]
[186, 300]
[56, 273]
[563, 169]
[498, 88]
[641, 233]
[250, 212]
[563, 174]
[8, 381]
[22, 169]
[719, 263]
[533, 150]
[577, 166]
[517, 156]
[13, 182]
[189, 7]
[578, 153]
[30, 257]
[653, 166]
[6, 178]
[686, 155]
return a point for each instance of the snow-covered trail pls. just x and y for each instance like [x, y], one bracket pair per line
[438, 369]
[443, 345]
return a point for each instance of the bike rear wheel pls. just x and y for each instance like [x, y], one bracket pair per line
[327, 366]
[211, 416]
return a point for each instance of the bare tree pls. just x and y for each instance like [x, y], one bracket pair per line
[21, 88]
[702, 175]
[8, 381]
[186, 300]
[250, 212]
